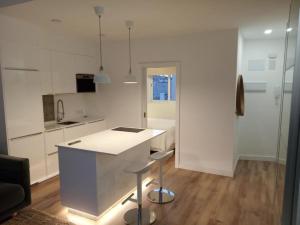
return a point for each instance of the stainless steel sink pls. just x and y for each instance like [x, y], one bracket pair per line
[67, 123]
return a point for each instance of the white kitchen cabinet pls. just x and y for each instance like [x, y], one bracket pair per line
[22, 102]
[63, 73]
[31, 147]
[74, 132]
[19, 56]
[52, 164]
[45, 72]
[82, 130]
[85, 64]
[52, 138]
[96, 126]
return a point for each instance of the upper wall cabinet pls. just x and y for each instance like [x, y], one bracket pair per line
[63, 73]
[85, 64]
[19, 56]
[57, 69]
[46, 71]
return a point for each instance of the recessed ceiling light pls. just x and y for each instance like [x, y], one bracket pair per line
[289, 29]
[56, 21]
[268, 31]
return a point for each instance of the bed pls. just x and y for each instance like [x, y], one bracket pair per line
[165, 141]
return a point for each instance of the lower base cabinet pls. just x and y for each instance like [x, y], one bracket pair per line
[78, 131]
[74, 132]
[31, 147]
[52, 138]
[94, 127]
[41, 148]
[52, 164]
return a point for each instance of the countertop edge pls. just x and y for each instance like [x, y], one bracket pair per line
[59, 127]
[63, 145]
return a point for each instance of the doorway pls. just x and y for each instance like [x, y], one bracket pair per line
[160, 106]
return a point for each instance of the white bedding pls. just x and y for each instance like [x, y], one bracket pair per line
[166, 140]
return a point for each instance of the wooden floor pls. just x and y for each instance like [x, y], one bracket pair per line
[201, 199]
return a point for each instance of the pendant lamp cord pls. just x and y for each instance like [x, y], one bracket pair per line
[100, 44]
[129, 44]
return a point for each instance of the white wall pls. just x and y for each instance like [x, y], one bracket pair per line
[240, 53]
[207, 102]
[258, 129]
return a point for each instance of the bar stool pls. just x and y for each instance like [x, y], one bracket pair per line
[161, 195]
[140, 215]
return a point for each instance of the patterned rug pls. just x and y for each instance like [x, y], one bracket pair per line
[35, 217]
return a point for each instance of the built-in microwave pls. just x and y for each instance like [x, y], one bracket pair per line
[85, 83]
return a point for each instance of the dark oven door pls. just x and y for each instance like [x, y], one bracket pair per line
[85, 83]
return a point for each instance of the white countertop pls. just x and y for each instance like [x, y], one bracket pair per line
[53, 125]
[112, 142]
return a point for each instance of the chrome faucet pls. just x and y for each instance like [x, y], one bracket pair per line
[60, 115]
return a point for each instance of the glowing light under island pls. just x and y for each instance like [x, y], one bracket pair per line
[81, 218]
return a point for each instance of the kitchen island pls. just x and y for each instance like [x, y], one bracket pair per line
[91, 168]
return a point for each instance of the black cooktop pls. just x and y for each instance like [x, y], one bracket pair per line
[128, 129]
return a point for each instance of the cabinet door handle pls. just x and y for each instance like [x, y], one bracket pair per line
[75, 125]
[25, 136]
[52, 153]
[21, 69]
[74, 142]
[95, 121]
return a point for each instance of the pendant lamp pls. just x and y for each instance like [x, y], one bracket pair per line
[101, 77]
[129, 78]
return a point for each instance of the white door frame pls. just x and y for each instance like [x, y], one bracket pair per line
[144, 66]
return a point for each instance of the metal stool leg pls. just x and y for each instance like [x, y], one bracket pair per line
[140, 215]
[161, 195]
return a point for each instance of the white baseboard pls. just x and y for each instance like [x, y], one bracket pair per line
[257, 157]
[52, 175]
[206, 170]
[38, 181]
[44, 178]
[235, 163]
[282, 161]
[226, 172]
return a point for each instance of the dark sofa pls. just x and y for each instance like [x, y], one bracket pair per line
[15, 191]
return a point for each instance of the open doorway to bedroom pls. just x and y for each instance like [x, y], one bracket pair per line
[161, 106]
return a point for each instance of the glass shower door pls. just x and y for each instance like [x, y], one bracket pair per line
[287, 151]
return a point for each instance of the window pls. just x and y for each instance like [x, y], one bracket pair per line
[160, 87]
[164, 87]
[173, 88]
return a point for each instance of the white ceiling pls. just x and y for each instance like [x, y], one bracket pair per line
[155, 18]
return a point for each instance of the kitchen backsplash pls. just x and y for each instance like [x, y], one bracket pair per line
[48, 106]
[75, 105]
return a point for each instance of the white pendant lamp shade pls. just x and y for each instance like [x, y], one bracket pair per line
[130, 78]
[101, 77]
[99, 10]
